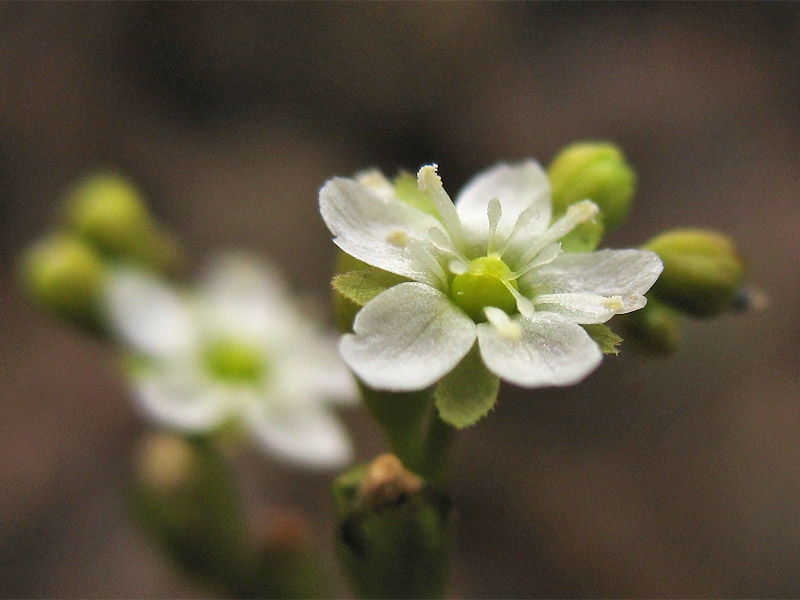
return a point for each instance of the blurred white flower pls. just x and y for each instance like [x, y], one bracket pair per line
[237, 350]
[488, 267]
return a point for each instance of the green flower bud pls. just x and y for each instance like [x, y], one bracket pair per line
[109, 213]
[64, 276]
[702, 271]
[657, 328]
[185, 496]
[596, 171]
[394, 533]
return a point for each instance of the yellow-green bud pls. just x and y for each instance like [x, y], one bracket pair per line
[596, 171]
[656, 327]
[702, 271]
[64, 276]
[110, 213]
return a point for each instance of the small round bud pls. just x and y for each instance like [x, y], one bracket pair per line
[387, 482]
[110, 213]
[656, 327]
[167, 463]
[64, 276]
[596, 171]
[702, 271]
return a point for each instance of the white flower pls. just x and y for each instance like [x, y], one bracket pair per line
[488, 267]
[238, 350]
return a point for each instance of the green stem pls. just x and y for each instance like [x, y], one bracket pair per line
[435, 453]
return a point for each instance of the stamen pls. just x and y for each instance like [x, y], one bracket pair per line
[398, 238]
[525, 217]
[441, 242]
[420, 255]
[576, 214]
[505, 327]
[493, 211]
[546, 256]
[614, 303]
[524, 306]
[430, 183]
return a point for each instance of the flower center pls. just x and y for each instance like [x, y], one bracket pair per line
[234, 361]
[486, 282]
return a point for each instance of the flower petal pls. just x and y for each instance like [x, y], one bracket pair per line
[244, 296]
[312, 364]
[582, 307]
[181, 399]
[302, 431]
[147, 314]
[518, 187]
[407, 338]
[550, 351]
[625, 273]
[374, 228]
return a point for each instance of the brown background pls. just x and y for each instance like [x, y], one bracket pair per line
[656, 477]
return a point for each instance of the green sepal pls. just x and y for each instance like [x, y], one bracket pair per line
[355, 284]
[407, 190]
[605, 338]
[468, 392]
[363, 285]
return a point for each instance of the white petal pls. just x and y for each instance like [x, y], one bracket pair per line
[147, 314]
[313, 365]
[518, 187]
[407, 338]
[550, 351]
[581, 307]
[243, 295]
[625, 273]
[300, 431]
[180, 399]
[372, 227]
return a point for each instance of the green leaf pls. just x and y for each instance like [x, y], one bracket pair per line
[605, 338]
[363, 285]
[467, 393]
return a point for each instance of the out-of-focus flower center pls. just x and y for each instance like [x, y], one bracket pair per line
[234, 361]
[485, 283]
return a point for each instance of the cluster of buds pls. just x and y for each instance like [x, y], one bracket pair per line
[104, 222]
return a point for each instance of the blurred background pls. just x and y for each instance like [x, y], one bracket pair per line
[656, 477]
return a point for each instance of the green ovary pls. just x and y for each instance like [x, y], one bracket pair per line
[234, 361]
[484, 284]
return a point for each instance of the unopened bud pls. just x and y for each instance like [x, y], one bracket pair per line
[186, 498]
[656, 328]
[596, 171]
[110, 213]
[64, 276]
[702, 273]
[394, 533]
